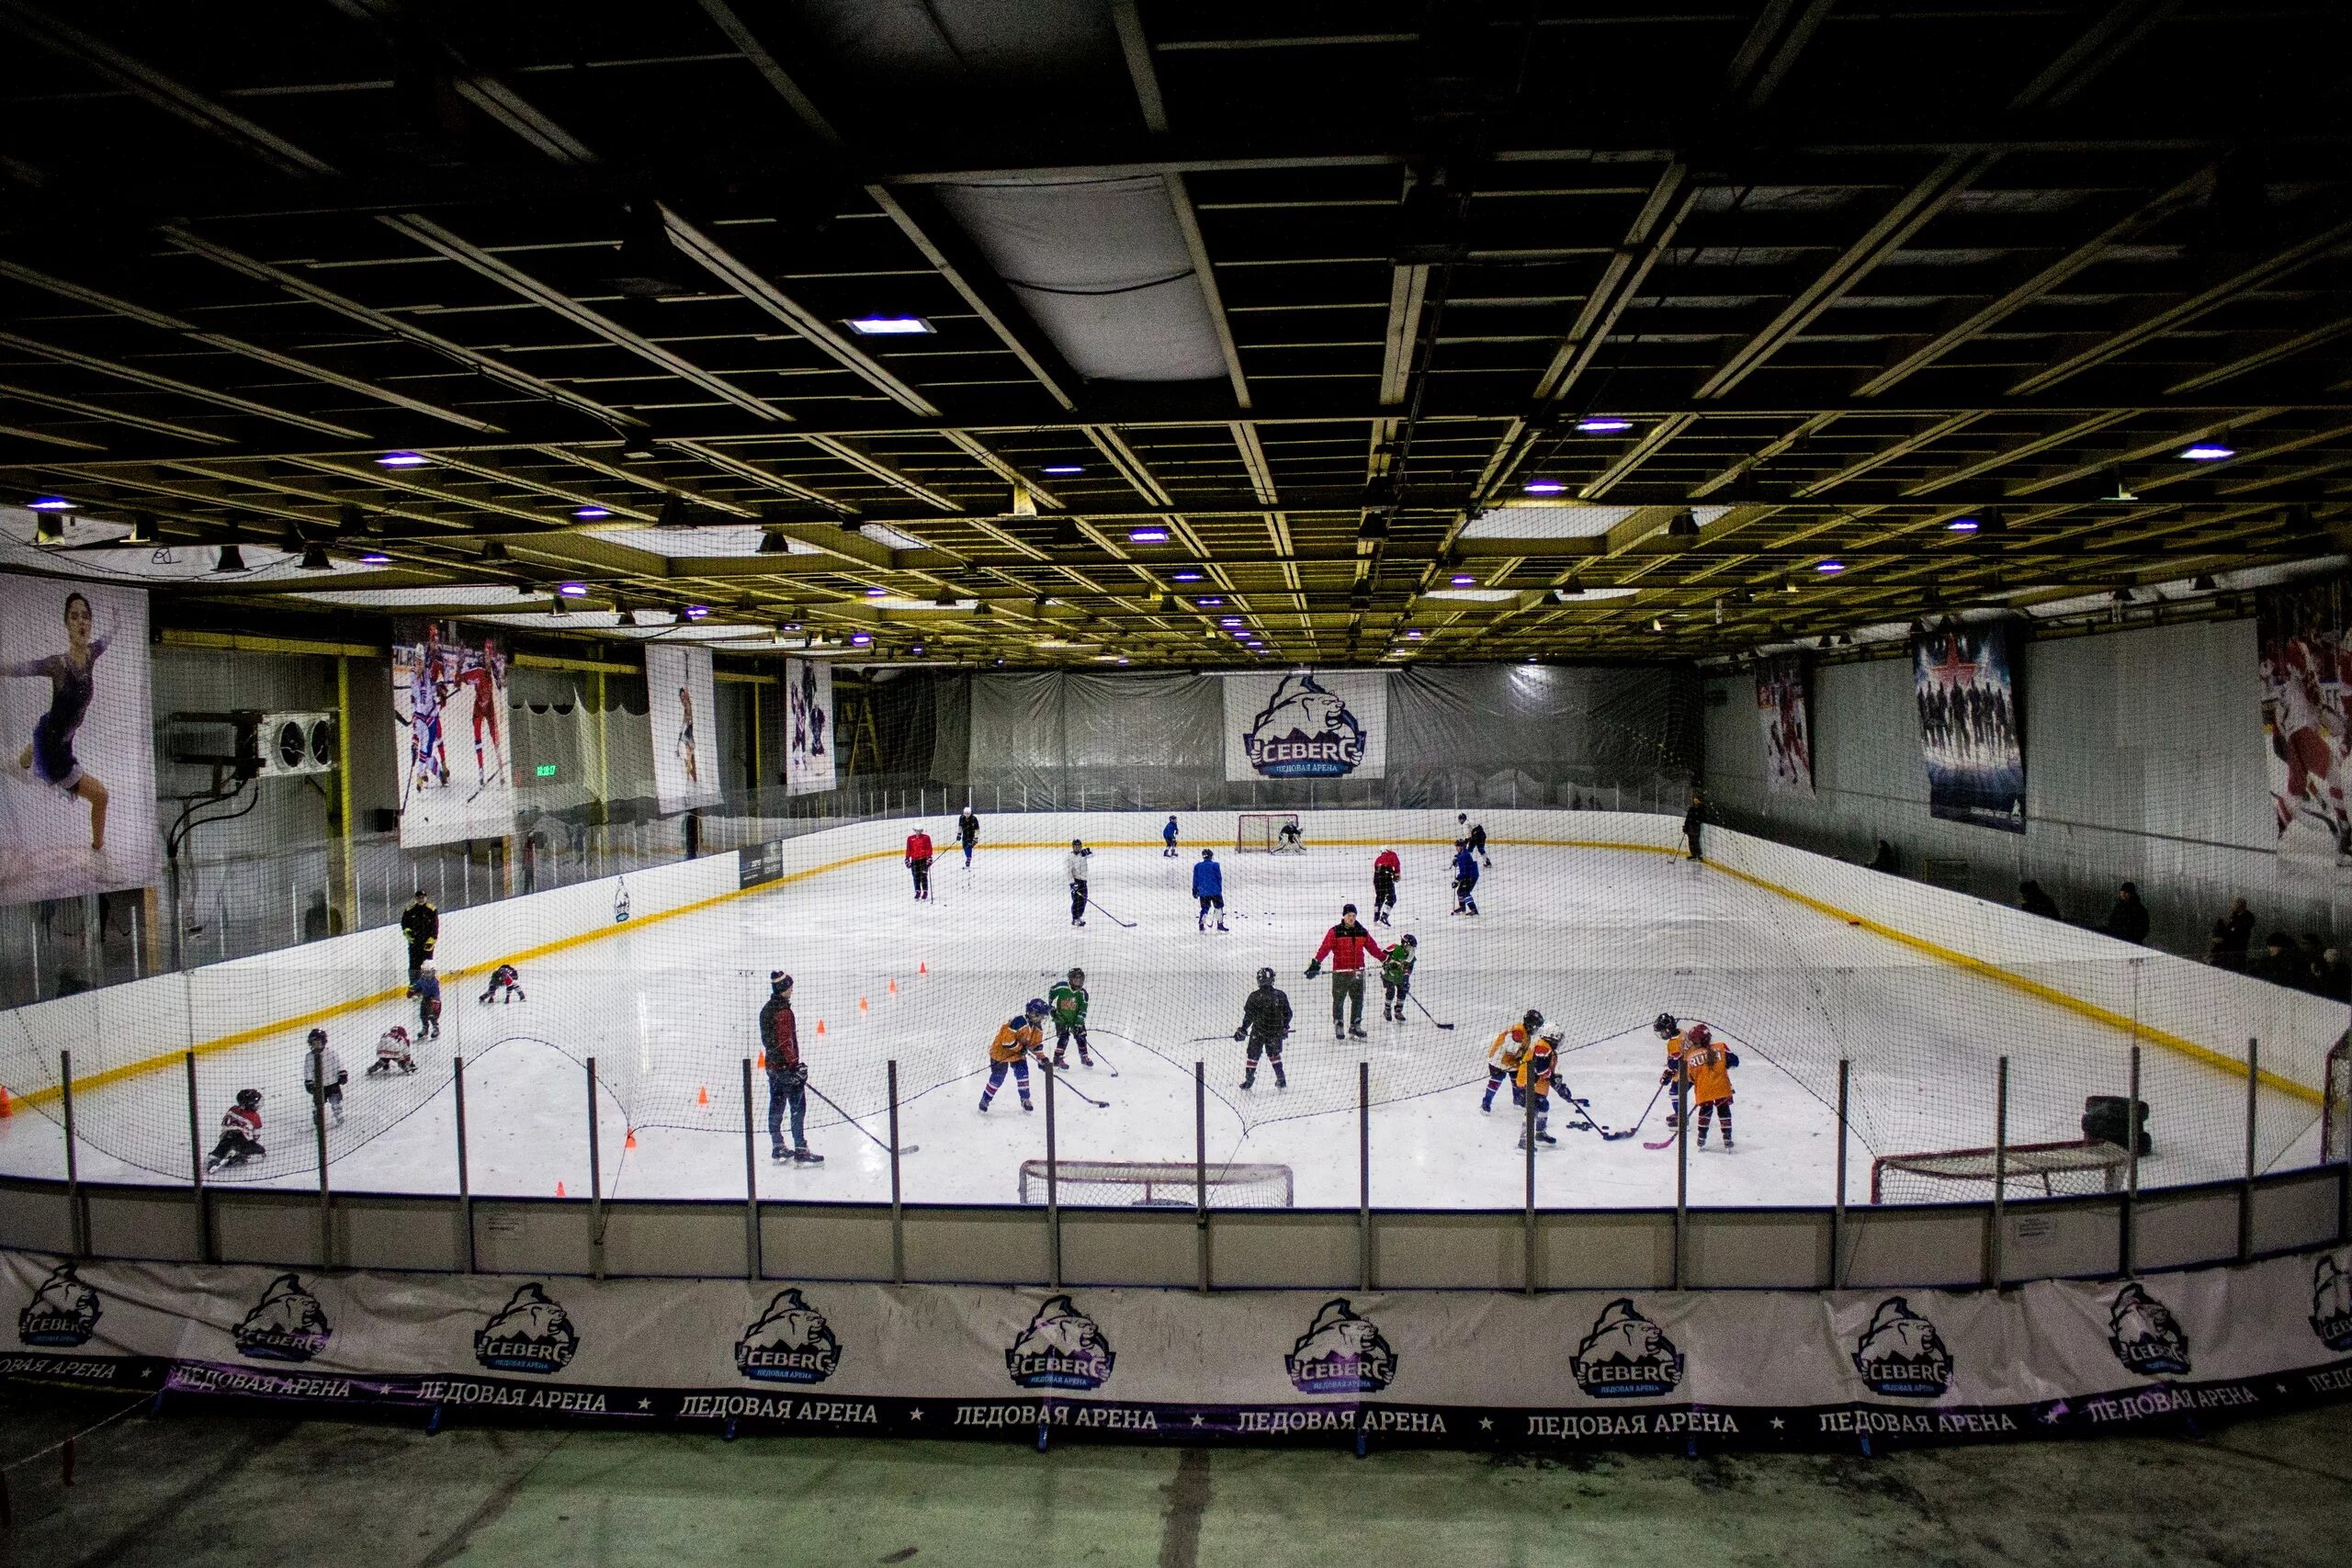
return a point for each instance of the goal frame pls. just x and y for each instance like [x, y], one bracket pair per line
[1273, 823]
[1178, 1182]
[2019, 1162]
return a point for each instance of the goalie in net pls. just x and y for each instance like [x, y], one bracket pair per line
[1276, 832]
[1157, 1184]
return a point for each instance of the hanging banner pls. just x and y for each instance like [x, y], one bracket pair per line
[449, 688]
[808, 745]
[2304, 631]
[1783, 709]
[1737, 1368]
[77, 740]
[1307, 724]
[685, 726]
[1970, 730]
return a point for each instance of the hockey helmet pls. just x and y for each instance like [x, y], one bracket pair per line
[1077, 976]
[397, 1032]
[1078, 843]
[779, 980]
[1208, 854]
[248, 1099]
[1265, 977]
[318, 1037]
[1533, 1020]
[1550, 1039]
[1036, 1008]
[1665, 1025]
[1700, 1034]
[1409, 940]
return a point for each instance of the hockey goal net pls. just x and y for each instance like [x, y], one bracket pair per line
[2335, 1114]
[2079, 1167]
[1263, 830]
[1169, 1184]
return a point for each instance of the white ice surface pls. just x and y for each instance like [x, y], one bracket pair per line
[1599, 940]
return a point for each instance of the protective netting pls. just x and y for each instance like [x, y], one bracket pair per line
[1796, 963]
[1157, 1184]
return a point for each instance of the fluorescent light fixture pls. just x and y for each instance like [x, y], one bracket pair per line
[1828, 567]
[590, 513]
[1210, 602]
[1962, 525]
[861, 639]
[2208, 452]
[1603, 425]
[403, 461]
[697, 612]
[374, 557]
[889, 326]
[51, 504]
[1122, 661]
[1544, 486]
[1186, 576]
[916, 650]
[876, 592]
[1229, 620]
[1154, 535]
[1463, 580]
[1061, 470]
[573, 589]
[1413, 634]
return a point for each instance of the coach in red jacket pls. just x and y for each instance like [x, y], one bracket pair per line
[919, 861]
[1345, 945]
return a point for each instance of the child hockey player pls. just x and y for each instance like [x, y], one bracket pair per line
[1074, 866]
[1385, 869]
[967, 833]
[1465, 878]
[1286, 841]
[1505, 1055]
[503, 978]
[1016, 1039]
[1265, 1023]
[1474, 834]
[1667, 1030]
[392, 1050]
[426, 990]
[1168, 837]
[1208, 886]
[1396, 977]
[1708, 1062]
[1535, 1081]
[321, 1066]
[240, 1132]
[919, 861]
[1346, 945]
[1069, 999]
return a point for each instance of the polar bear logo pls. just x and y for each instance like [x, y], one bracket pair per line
[1341, 1352]
[287, 1325]
[1902, 1355]
[530, 1334]
[1626, 1356]
[791, 1342]
[64, 1311]
[1304, 731]
[1062, 1347]
[2332, 1303]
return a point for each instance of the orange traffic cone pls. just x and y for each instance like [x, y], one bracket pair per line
[894, 986]
[559, 1188]
[820, 1026]
[923, 968]
[702, 1096]
[861, 1004]
[764, 1061]
[7, 1105]
[631, 1140]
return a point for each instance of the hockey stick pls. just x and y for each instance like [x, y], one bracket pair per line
[1107, 915]
[1073, 1088]
[1584, 1108]
[903, 1149]
[1425, 1012]
[1643, 1116]
[1096, 1051]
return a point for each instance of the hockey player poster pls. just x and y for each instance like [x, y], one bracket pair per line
[685, 732]
[2301, 629]
[449, 724]
[1306, 724]
[1783, 709]
[77, 809]
[808, 744]
[1969, 729]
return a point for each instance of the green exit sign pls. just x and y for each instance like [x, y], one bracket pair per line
[545, 770]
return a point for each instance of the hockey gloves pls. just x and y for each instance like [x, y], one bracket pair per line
[1314, 967]
[1242, 1031]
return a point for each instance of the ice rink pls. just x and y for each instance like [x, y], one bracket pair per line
[1599, 939]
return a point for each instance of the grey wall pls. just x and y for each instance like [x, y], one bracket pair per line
[2145, 758]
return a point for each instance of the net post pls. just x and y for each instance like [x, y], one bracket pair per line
[76, 1231]
[1363, 1171]
[1994, 1262]
[596, 1183]
[2126, 1217]
[1527, 1223]
[1053, 1195]
[1201, 1171]
[465, 1184]
[898, 1205]
[2245, 1188]
[1837, 1205]
[752, 1267]
[319, 1130]
[1681, 1169]
[195, 1163]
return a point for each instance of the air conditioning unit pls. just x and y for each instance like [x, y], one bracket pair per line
[297, 743]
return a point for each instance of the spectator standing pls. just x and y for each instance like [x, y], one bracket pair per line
[1882, 859]
[2128, 920]
[2034, 901]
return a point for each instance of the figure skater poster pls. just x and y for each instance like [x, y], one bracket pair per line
[685, 726]
[77, 740]
[450, 730]
[808, 745]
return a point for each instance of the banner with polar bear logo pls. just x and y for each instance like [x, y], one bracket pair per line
[1307, 725]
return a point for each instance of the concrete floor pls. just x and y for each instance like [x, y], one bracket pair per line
[188, 1488]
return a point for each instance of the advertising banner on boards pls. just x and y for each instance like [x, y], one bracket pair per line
[450, 731]
[685, 726]
[77, 740]
[809, 738]
[1306, 724]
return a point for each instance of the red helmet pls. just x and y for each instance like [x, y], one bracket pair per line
[1699, 1034]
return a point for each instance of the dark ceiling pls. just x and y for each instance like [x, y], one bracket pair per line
[1347, 279]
